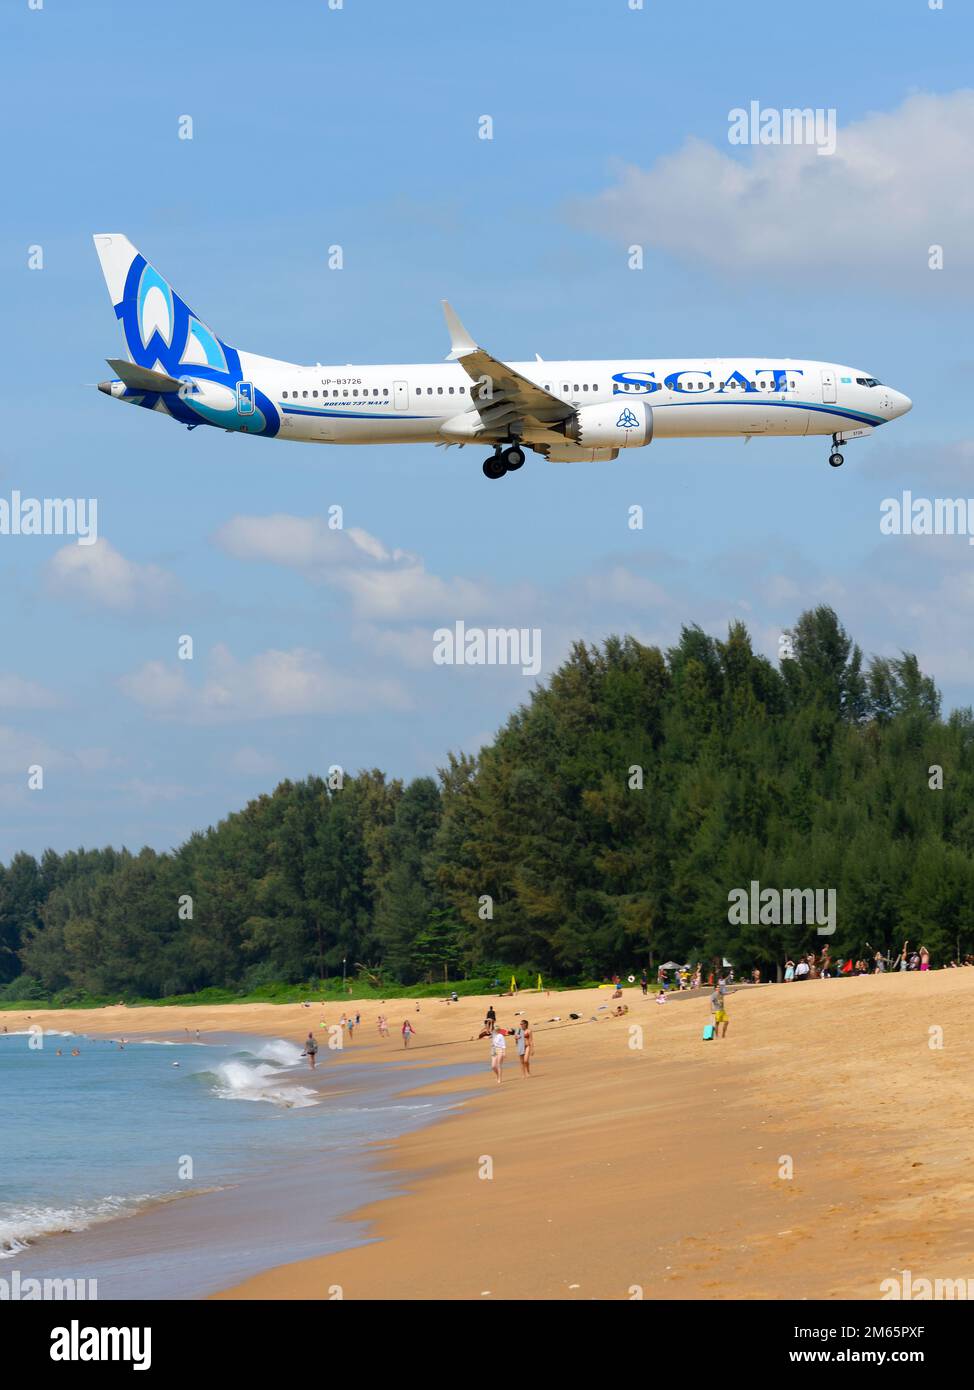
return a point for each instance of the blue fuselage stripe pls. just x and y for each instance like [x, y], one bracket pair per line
[861, 417]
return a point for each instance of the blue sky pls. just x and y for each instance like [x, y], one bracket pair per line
[358, 127]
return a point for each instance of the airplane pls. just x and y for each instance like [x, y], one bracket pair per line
[565, 411]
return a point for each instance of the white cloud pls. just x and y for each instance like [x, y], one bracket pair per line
[383, 584]
[148, 793]
[101, 576]
[297, 542]
[251, 762]
[17, 693]
[19, 751]
[899, 182]
[270, 684]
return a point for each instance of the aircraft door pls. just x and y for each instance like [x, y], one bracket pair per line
[400, 395]
[245, 398]
[828, 388]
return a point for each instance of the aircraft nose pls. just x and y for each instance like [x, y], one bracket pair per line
[901, 404]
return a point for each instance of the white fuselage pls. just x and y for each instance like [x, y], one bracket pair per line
[565, 411]
[695, 398]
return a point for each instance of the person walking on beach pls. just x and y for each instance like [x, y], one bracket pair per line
[717, 1011]
[498, 1051]
[525, 1046]
[407, 1032]
[311, 1050]
[351, 1025]
[643, 983]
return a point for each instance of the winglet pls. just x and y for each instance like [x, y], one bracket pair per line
[461, 342]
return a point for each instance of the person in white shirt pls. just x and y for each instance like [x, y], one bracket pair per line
[498, 1051]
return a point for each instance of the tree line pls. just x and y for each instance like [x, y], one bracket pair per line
[602, 830]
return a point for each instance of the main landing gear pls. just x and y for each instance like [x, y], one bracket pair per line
[835, 458]
[504, 461]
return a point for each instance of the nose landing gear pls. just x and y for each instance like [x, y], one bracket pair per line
[503, 461]
[835, 458]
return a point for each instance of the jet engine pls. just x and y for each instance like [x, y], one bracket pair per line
[618, 424]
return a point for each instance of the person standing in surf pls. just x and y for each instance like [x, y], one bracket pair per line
[311, 1050]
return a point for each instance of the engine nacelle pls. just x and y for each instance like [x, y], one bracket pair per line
[615, 425]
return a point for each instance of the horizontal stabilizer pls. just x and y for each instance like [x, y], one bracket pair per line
[141, 378]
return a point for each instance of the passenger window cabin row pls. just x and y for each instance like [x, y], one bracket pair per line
[567, 389]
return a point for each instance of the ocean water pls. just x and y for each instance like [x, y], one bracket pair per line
[275, 1155]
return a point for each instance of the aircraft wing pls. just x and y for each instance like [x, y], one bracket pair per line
[500, 394]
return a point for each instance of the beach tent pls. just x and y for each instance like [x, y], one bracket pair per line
[671, 965]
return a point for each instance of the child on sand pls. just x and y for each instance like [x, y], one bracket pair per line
[407, 1032]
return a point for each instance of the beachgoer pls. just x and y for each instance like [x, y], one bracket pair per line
[643, 983]
[718, 1011]
[924, 958]
[311, 1050]
[525, 1046]
[789, 971]
[498, 1051]
[407, 1032]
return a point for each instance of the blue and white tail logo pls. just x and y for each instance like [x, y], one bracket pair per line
[162, 333]
[627, 421]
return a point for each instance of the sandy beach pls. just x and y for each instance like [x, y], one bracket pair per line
[818, 1150]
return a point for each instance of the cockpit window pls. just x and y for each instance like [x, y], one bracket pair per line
[868, 381]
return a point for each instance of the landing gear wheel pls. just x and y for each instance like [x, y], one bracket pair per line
[495, 466]
[513, 457]
[836, 459]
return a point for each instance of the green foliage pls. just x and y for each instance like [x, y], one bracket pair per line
[602, 828]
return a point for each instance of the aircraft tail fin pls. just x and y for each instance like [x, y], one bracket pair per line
[159, 330]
